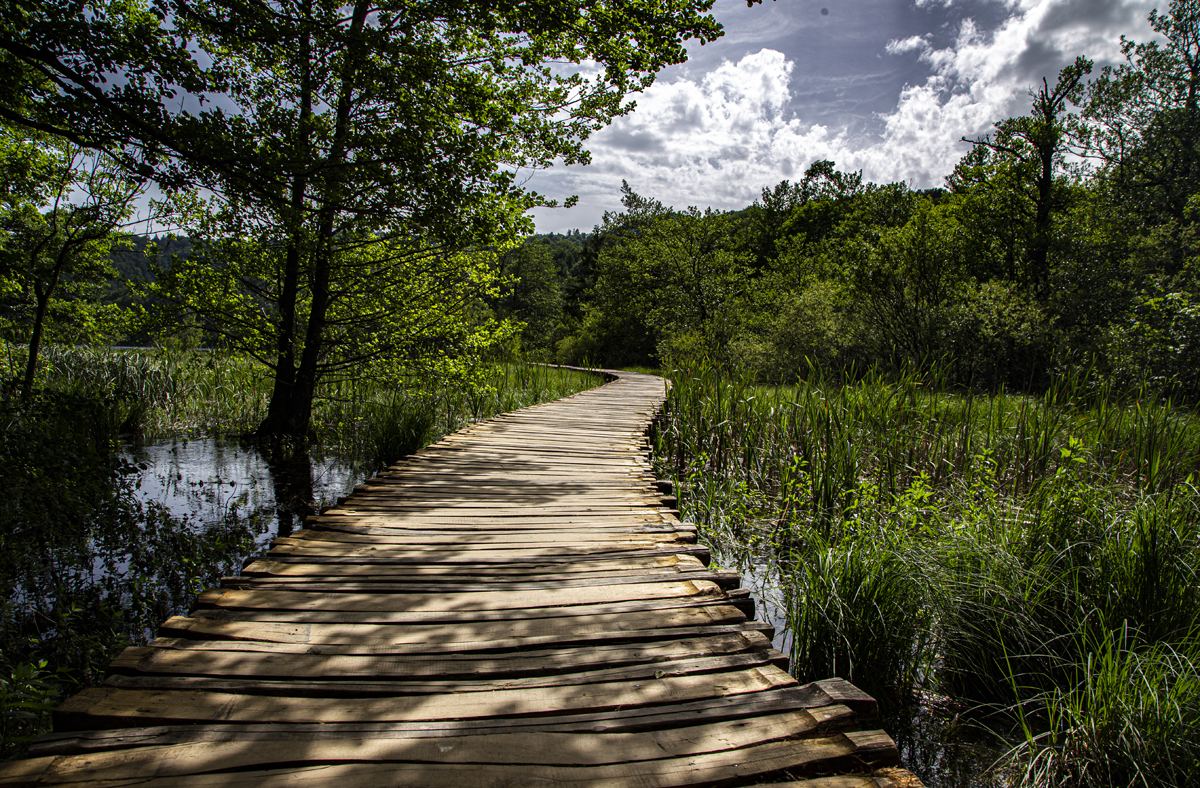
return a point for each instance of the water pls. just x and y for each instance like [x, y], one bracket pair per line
[205, 480]
[943, 744]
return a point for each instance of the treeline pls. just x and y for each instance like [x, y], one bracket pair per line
[1066, 238]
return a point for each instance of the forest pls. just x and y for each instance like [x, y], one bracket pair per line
[1063, 240]
[949, 432]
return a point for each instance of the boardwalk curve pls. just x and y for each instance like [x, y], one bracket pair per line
[515, 605]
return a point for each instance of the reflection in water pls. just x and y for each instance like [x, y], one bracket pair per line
[292, 482]
[207, 479]
[943, 744]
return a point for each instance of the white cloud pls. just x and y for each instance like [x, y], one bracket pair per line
[910, 44]
[716, 140]
[712, 141]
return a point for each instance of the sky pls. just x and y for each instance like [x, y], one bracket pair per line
[889, 87]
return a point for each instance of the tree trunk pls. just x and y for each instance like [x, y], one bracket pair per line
[305, 388]
[42, 294]
[1042, 229]
[293, 415]
[286, 396]
[283, 393]
[35, 340]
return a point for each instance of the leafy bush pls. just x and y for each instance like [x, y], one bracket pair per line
[817, 325]
[998, 337]
[1158, 343]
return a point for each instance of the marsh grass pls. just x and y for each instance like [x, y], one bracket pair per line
[1035, 558]
[158, 392]
[1130, 719]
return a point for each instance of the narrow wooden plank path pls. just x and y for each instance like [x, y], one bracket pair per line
[515, 605]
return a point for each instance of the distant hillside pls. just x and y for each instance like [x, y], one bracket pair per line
[133, 260]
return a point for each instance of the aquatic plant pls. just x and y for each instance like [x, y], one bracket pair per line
[985, 547]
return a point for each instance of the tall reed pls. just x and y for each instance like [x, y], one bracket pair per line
[986, 547]
[166, 392]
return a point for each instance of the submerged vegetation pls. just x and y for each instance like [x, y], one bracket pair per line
[88, 567]
[1034, 558]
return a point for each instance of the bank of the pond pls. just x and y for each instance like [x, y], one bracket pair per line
[127, 491]
[1016, 568]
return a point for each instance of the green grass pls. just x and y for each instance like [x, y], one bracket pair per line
[1016, 553]
[164, 393]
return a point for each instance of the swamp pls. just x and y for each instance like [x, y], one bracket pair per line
[945, 429]
[1014, 577]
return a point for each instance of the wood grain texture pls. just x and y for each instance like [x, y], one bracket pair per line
[517, 604]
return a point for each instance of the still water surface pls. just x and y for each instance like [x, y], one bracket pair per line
[207, 479]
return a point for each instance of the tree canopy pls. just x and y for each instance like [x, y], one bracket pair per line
[318, 129]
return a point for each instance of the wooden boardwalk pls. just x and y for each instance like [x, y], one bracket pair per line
[515, 605]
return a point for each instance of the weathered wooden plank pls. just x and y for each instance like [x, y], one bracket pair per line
[598, 628]
[473, 540]
[720, 610]
[447, 584]
[882, 778]
[523, 456]
[500, 478]
[535, 494]
[364, 505]
[334, 519]
[526, 500]
[104, 705]
[532, 546]
[482, 556]
[175, 657]
[690, 770]
[623, 720]
[492, 532]
[565, 749]
[280, 638]
[656, 563]
[325, 687]
[472, 600]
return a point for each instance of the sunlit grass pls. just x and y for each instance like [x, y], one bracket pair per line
[166, 393]
[1006, 550]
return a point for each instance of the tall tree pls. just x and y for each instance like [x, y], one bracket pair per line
[332, 126]
[1146, 116]
[904, 280]
[60, 211]
[776, 214]
[533, 297]
[675, 272]
[1025, 156]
